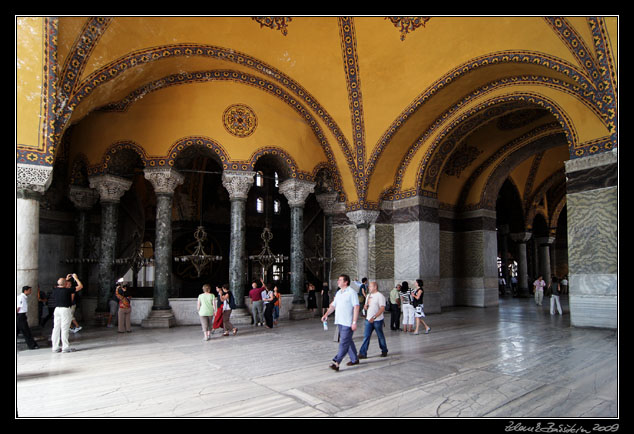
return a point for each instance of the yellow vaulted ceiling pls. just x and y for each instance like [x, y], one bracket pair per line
[358, 95]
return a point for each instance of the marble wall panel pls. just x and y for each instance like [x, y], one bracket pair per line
[381, 258]
[344, 250]
[407, 244]
[593, 231]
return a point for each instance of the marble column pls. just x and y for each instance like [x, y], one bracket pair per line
[592, 202]
[522, 262]
[296, 191]
[31, 182]
[164, 180]
[544, 244]
[84, 199]
[110, 189]
[238, 184]
[362, 219]
[328, 203]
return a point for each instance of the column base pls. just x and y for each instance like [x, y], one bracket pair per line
[241, 316]
[298, 312]
[159, 319]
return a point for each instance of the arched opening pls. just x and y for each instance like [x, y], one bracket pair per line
[268, 208]
[201, 201]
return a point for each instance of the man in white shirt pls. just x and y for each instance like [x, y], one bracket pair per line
[21, 320]
[375, 306]
[346, 308]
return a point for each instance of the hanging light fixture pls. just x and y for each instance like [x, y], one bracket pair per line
[199, 258]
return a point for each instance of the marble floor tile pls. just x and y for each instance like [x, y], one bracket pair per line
[511, 361]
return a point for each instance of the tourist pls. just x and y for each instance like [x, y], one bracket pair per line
[125, 309]
[43, 311]
[206, 307]
[62, 316]
[113, 305]
[408, 309]
[395, 308]
[346, 308]
[538, 288]
[325, 298]
[363, 289]
[257, 307]
[22, 321]
[73, 307]
[374, 306]
[268, 297]
[417, 302]
[554, 296]
[277, 305]
[219, 312]
[228, 304]
[312, 298]
[564, 285]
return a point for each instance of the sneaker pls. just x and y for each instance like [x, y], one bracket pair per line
[59, 350]
[77, 329]
[69, 350]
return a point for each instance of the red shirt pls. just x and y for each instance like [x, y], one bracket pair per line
[256, 294]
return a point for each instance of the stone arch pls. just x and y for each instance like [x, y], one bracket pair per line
[431, 165]
[112, 159]
[206, 145]
[281, 159]
[506, 166]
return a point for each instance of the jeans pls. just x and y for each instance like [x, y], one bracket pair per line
[346, 345]
[367, 333]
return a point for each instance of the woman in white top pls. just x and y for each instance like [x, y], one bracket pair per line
[417, 301]
[206, 307]
[408, 309]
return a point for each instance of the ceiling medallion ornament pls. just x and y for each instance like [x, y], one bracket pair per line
[239, 120]
[278, 23]
[408, 24]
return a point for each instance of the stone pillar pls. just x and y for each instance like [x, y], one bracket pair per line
[238, 184]
[592, 202]
[328, 203]
[522, 262]
[362, 219]
[84, 199]
[296, 191]
[164, 180]
[544, 244]
[110, 189]
[417, 247]
[31, 182]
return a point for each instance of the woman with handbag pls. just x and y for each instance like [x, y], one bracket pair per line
[417, 302]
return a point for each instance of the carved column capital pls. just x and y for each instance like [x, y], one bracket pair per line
[110, 187]
[363, 217]
[82, 197]
[163, 179]
[296, 191]
[328, 202]
[237, 183]
[32, 178]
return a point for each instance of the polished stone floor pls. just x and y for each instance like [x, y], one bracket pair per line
[511, 361]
